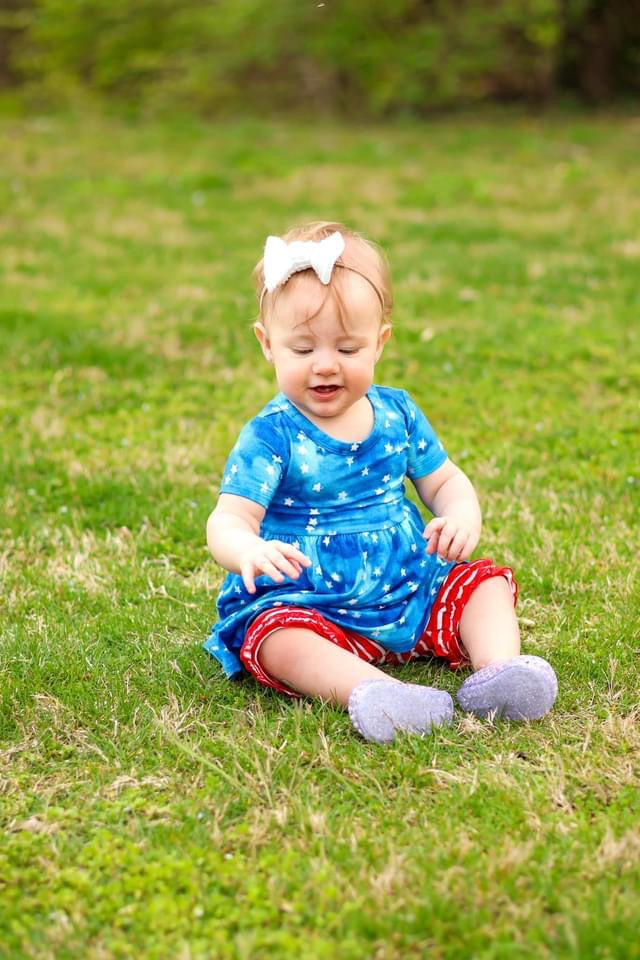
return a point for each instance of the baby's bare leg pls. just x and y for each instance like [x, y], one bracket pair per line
[314, 666]
[488, 627]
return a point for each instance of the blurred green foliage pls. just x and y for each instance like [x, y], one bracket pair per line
[351, 57]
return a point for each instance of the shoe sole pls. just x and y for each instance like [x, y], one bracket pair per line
[524, 688]
[379, 708]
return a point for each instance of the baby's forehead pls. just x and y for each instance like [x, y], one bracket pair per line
[349, 297]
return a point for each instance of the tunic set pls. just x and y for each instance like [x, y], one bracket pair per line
[343, 505]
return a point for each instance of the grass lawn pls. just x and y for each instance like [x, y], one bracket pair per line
[151, 809]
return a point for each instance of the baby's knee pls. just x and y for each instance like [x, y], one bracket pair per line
[282, 649]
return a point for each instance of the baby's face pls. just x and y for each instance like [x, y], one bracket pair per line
[324, 365]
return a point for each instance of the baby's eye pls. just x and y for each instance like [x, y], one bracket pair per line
[348, 350]
[301, 351]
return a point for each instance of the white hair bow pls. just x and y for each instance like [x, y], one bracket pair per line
[282, 260]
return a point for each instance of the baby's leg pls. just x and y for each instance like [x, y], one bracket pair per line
[378, 705]
[505, 683]
[313, 666]
[488, 625]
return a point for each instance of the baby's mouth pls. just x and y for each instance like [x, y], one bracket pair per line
[326, 389]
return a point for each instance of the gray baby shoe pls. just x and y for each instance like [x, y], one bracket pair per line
[378, 708]
[523, 688]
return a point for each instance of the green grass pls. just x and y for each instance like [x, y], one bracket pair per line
[150, 808]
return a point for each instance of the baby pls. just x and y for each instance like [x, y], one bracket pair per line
[332, 572]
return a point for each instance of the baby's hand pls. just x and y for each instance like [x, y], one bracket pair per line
[274, 558]
[450, 538]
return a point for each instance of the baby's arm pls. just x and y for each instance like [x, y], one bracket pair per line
[233, 538]
[455, 528]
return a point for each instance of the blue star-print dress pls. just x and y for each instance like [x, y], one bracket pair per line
[343, 505]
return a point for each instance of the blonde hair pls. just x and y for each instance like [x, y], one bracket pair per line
[360, 256]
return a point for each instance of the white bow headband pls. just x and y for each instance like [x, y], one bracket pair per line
[282, 260]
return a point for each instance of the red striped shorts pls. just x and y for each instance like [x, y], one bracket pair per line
[440, 638]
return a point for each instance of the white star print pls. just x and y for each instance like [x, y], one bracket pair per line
[264, 487]
[412, 586]
[336, 577]
[349, 461]
[234, 468]
[403, 571]
[303, 450]
[270, 470]
[342, 495]
[276, 458]
[326, 541]
[319, 570]
[317, 487]
[386, 478]
[388, 447]
[302, 436]
[386, 587]
[288, 502]
[422, 444]
[354, 446]
[377, 572]
[365, 472]
[314, 512]
[379, 491]
[304, 468]
[374, 537]
[413, 548]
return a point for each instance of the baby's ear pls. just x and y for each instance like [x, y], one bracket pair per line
[383, 336]
[263, 338]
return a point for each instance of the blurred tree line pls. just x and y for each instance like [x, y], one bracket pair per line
[366, 57]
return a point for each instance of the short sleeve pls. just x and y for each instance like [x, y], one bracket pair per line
[426, 453]
[256, 464]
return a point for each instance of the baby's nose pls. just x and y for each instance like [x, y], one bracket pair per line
[325, 362]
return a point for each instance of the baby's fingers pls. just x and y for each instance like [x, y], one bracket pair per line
[432, 533]
[248, 572]
[458, 548]
[446, 540]
[260, 563]
[288, 558]
[294, 554]
[272, 562]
